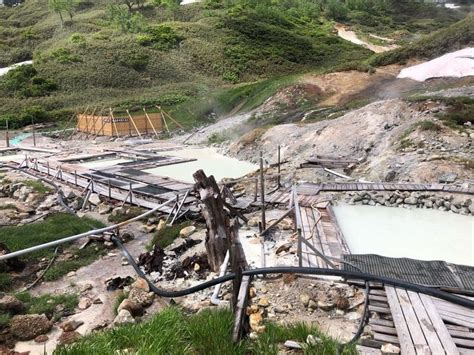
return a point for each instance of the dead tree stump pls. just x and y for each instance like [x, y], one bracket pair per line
[217, 219]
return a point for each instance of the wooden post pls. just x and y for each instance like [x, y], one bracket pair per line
[299, 248]
[151, 123]
[279, 168]
[217, 219]
[110, 189]
[75, 177]
[113, 123]
[255, 194]
[47, 166]
[7, 135]
[262, 191]
[34, 133]
[131, 194]
[134, 125]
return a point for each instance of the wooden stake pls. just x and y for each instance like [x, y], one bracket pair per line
[7, 137]
[151, 123]
[171, 118]
[134, 125]
[113, 122]
[255, 194]
[75, 177]
[262, 192]
[279, 168]
[110, 189]
[131, 194]
[34, 133]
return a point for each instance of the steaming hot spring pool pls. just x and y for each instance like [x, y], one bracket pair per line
[209, 160]
[413, 233]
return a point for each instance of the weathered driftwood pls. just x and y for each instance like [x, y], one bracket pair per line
[217, 219]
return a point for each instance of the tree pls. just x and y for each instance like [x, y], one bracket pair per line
[61, 6]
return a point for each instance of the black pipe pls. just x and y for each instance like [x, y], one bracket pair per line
[299, 270]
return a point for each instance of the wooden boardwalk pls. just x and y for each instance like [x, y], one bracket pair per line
[418, 323]
[320, 229]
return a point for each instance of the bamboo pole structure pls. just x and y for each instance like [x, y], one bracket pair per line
[114, 125]
[133, 122]
[151, 123]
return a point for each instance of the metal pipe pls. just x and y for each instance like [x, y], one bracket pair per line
[215, 295]
[82, 235]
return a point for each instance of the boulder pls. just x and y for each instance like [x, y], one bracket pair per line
[71, 325]
[141, 284]
[124, 317]
[29, 326]
[304, 298]
[11, 304]
[325, 306]
[187, 231]
[411, 200]
[141, 297]
[134, 308]
[390, 349]
[84, 303]
[447, 178]
[104, 208]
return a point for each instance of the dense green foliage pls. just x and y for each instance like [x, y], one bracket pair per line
[208, 332]
[186, 58]
[167, 235]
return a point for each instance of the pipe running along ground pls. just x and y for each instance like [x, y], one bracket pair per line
[298, 270]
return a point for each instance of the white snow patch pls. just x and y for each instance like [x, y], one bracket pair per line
[455, 64]
[185, 2]
[451, 6]
[5, 70]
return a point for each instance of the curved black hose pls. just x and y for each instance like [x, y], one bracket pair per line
[298, 270]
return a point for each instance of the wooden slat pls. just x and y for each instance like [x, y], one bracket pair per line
[439, 326]
[465, 343]
[383, 329]
[378, 298]
[403, 333]
[414, 327]
[425, 323]
[379, 309]
[461, 334]
[384, 322]
[386, 338]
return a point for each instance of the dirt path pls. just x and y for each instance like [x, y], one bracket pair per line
[351, 36]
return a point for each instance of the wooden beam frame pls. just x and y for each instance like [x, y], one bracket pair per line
[113, 123]
[151, 123]
[133, 122]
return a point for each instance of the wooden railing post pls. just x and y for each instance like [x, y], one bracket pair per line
[262, 191]
[279, 168]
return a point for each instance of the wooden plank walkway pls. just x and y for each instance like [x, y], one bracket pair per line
[420, 325]
[320, 229]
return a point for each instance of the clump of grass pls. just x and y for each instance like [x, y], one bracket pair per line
[126, 214]
[167, 235]
[5, 281]
[4, 319]
[47, 304]
[208, 332]
[118, 300]
[37, 186]
[8, 206]
[429, 126]
[217, 138]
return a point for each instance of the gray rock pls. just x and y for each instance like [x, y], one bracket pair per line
[390, 176]
[411, 200]
[11, 304]
[291, 344]
[305, 298]
[141, 297]
[124, 317]
[448, 178]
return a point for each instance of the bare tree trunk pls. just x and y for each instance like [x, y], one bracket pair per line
[217, 219]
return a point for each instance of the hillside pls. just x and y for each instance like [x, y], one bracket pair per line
[187, 58]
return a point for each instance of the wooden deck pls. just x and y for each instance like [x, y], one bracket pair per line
[418, 323]
[320, 229]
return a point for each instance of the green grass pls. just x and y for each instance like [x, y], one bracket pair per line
[118, 300]
[167, 235]
[208, 332]
[37, 186]
[4, 319]
[47, 304]
[121, 217]
[52, 228]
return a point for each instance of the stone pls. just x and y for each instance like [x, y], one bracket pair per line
[68, 338]
[255, 320]
[390, 176]
[187, 231]
[291, 344]
[134, 308]
[342, 303]
[312, 340]
[411, 200]
[312, 305]
[141, 284]
[390, 349]
[141, 297]
[104, 208]
[84, 303]
[161, 225]
[85, 287]
[94, 199]
[40, 339]
[71, 274]
[447, 178]
[29, 326]
[304, 298]
[353, 316]
[71, 325]
[283, 247]
[252, 292]
[252, 309]
[325, 306]
[253, 222]
[11, 304]
[124, 317]
[263, 302]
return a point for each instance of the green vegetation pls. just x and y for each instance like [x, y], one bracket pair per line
[125, 214]
[37, 186]
[47, 304]
[208, 332]
[429, 126]
[52, 228]
[197, 61]
[8, 206]
[167, 235]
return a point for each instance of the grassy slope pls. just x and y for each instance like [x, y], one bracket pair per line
[52, 228]
[208, 332]
[221, 51]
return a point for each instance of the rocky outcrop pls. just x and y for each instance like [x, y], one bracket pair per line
[11, 304]
[29, 326]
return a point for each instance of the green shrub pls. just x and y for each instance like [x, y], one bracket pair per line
[24, 81]
[64, 55]
[78, 38]
[167, 235]
[127, 21]
[162, 37]
[429, 126]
